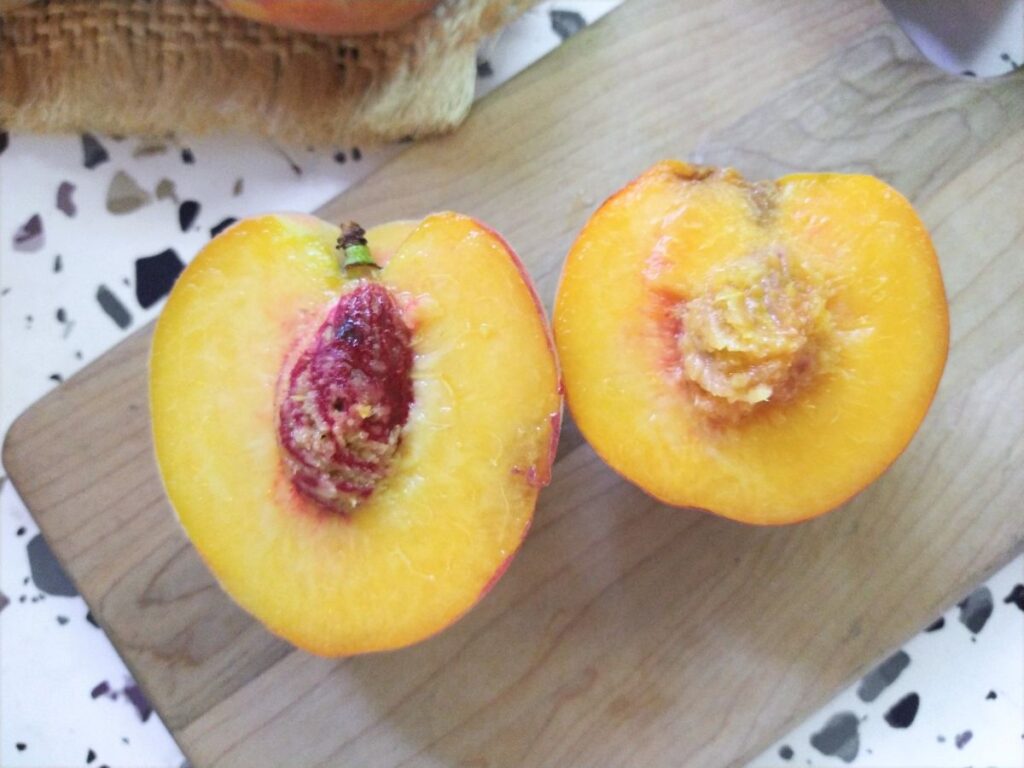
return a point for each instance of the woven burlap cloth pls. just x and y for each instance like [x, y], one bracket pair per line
[152, 67]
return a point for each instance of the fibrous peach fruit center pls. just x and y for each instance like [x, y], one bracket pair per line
[343, 404]
[757, 330]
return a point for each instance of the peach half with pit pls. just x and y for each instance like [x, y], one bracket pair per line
[353, 427]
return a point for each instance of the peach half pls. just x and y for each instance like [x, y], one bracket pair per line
[763, 350]
[356, 452]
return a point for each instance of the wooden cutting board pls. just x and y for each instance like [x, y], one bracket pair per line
[626, 633]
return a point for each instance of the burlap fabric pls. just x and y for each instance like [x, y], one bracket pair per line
[153, 67]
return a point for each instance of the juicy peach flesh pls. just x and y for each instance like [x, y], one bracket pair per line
[458, 495]
[761, 351]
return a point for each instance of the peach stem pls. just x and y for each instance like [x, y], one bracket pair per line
[353, 243]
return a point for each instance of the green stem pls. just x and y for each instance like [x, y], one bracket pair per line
[353, 245]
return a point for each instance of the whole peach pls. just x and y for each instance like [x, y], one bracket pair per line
[332, 17]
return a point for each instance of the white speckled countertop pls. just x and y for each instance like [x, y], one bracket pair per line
[93, 232]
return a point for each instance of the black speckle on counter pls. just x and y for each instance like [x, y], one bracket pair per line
[62, 620]
[976, 609]
[155, 275]
[21, 746]
[46, 571]
[357, 154]
[93, 152]
[187, 157]
[65, 202]
[1016, 596]
[786, 752]
[239, 187]
[90, 619]
[4, 140]
[99, 689]
[567, 23]
[936, 625]
[839, 738]
[21, 530]
[30, 236]
[58, 263]
[4, 601]
[112, 305]
[187, 213]
[56, 377]
[339, 157]
[89, 757]
[902, 713]
[991, 696]
[882, 676]
[962, 739]
[139, 701]
[220, 227]
[484, 68]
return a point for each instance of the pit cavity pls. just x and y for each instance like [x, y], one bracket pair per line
[756, 331]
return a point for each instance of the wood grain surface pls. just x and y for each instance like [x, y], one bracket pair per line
[626, 633]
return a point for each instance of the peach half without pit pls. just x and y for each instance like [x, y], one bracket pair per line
[352, 427]
[762, 351]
